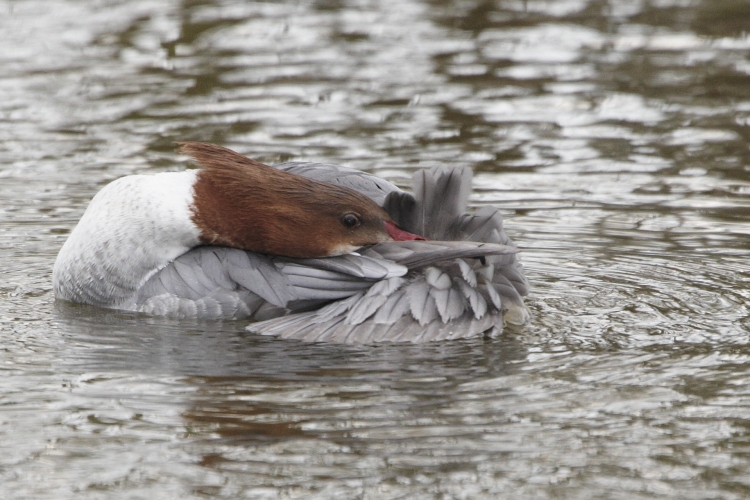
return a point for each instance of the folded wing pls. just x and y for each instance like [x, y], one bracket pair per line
[211, 282]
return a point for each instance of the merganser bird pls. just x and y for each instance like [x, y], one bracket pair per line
[310, 251]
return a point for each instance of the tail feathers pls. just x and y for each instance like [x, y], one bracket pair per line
[437, 209]
[440, 198]
[513, 273]
[401, 207]
[486, 224]
[303, 327]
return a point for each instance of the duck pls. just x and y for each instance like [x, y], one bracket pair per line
[309, 251]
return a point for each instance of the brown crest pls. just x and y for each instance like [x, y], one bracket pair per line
[242, 203]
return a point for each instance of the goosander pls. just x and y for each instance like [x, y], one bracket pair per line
[309, 251]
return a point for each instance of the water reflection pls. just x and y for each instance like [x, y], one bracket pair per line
[114, 341]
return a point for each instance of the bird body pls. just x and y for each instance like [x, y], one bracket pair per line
[309, 251]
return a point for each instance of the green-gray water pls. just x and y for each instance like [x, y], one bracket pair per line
[613, 134]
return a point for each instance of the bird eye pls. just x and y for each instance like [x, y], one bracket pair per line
[351, 220]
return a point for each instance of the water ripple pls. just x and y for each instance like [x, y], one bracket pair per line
[613, 137]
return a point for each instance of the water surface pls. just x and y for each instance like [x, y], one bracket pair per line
[612, 134]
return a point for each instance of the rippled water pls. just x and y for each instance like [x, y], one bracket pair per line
[614, 135]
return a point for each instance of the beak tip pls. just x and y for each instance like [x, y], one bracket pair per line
[399, 234]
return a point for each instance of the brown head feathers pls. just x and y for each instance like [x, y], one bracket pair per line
[242, 203]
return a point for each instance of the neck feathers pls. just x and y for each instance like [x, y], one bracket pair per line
[132, 228]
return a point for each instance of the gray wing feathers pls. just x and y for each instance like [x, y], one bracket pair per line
[218, 282]
[476, 300]
[355, 265]
[395, 306]
[434, 304]
[258, 274]
[320, 284]
[421, 303]
[337, 277]
[214, 282]
[373, 300]
[415, 254]
[439, 200]
[454, 289]
[486, 224]
[450, 303]
[401, 207]
[442, 195]
[303, 327]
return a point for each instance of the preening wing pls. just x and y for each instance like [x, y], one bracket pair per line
[462, 284]
[438, 299]
[212, 282]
